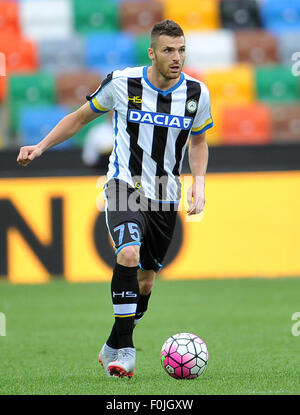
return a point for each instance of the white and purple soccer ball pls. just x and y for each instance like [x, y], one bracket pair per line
[184, 356]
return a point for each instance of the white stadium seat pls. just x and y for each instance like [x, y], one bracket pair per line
[44, 19]
[210, 49]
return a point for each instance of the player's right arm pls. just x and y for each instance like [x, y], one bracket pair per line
[66, 128]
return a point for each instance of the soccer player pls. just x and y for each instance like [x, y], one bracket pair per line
[156, 109]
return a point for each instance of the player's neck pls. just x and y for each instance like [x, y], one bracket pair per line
[159, 81]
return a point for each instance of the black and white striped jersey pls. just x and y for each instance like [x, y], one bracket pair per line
[151, 128]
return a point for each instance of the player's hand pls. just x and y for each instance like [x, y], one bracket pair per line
[196, 196]
[27, 154]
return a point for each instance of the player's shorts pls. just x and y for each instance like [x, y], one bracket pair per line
[133, 219]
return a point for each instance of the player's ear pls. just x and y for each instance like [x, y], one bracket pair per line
[151, 53]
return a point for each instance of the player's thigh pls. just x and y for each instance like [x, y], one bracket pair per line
[158, 236]
[124, 225]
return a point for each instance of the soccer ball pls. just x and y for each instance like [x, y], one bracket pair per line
[184, 356]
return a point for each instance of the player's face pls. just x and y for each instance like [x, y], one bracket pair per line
[168, 56]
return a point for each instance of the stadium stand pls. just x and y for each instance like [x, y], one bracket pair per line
[285, 123]
[46, 19]
[94, 16]
[247, 124]
[37, 122]
[240, 14]
[73, 87]
[9, 17]
[288, 44]
[56, 51]
[20, 52]
[257, 47]
[194, 15]
[276, 84]
[29, 90]
[60, 55]
[105, 52]
[138, 18]
[210, 49]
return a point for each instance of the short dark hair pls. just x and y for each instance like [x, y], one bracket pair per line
[166, 27]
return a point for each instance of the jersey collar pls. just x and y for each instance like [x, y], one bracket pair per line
[168, 91]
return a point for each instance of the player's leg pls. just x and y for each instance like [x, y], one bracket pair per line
[146, 280]
[126, 233]
[159, 231]
[125, 293]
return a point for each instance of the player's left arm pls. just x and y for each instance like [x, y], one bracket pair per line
[198, 159]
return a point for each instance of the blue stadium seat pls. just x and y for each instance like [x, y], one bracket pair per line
[110, 51]
[279, 16]
[36, 122]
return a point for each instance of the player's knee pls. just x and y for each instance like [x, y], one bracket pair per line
[146, 286]
[129, 256]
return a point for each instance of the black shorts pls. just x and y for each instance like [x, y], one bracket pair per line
[133, 219]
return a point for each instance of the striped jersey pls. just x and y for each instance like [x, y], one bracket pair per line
[151, 128]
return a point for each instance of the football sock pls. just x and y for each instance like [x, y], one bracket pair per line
[142, 307]
[125, 294]
[113, 338]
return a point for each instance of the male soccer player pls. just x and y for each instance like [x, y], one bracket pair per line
[156, 108]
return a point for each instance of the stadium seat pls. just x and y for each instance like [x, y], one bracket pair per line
[80, 137]
[95, 16]
[142, 43]
[20, 53]
[213, 135]
[36, 123]
[109, 51]
[2, 87]
[249, 124]
[276, 84]
[57, 55]
[139, 17]
[256, 46]
[288, 44]
[210, 49]
[239, 14]
[280, 16]
[194, 72]
[46, 19]
[194, 15]
[72, 88]
[29, 90]
[234, 85]
[286, 123]
[9, 18]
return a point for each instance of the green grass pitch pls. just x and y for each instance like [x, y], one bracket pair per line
[55, 331]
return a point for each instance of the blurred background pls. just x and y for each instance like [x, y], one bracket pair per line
[55, 52]
[52, 223]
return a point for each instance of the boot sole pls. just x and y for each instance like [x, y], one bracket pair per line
[118, 371]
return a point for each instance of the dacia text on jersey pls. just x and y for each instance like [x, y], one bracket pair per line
[162, 120]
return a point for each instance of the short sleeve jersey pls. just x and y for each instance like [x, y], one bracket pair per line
[151, 128]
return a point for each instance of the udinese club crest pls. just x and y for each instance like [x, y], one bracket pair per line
[192, 106]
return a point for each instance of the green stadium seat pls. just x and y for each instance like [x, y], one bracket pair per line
[95, 16]
[276, 84]
[29, 90]
[80, 137]
[142, 43]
